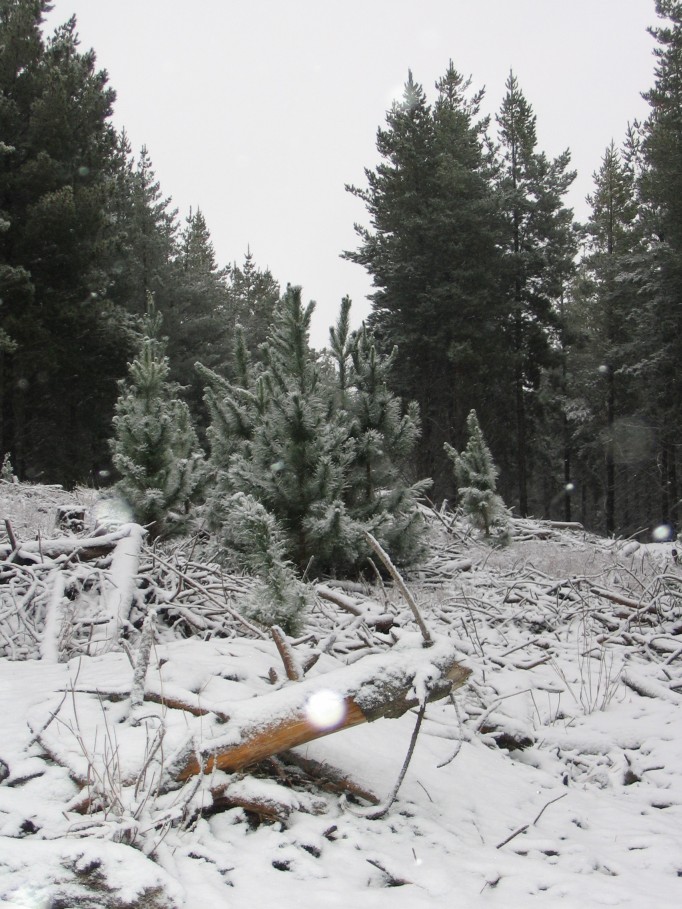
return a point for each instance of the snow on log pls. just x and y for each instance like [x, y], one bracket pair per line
[119, 588]
[85, 548]
[381, 685]
[49, 646]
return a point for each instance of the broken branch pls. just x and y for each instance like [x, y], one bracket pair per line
[402, 586]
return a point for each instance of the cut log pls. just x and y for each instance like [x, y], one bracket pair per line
[382, 685]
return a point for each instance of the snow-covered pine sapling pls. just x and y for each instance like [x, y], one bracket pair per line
[476, 478]
[7, 471]
[385, 433]
[320, 442]
[276, 436]
[155, 448]
[254, 534]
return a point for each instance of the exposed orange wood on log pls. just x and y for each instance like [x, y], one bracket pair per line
[272, 740]
[276, 722]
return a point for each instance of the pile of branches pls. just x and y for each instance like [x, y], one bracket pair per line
[91, 595]
[83, 594]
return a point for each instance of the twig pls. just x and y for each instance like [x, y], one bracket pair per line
[53, 715]
[533, 823]
[375, 814]
[392, 880]
[462, 735]
[409, 599]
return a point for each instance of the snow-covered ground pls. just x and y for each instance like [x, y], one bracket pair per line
[553, 776]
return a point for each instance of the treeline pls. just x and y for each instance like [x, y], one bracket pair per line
[85, 235]
[565, 338]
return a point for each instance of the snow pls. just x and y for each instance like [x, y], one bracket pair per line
[555, 777]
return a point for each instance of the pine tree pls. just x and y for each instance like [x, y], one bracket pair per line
[602, 313]
[314, 444]
[283, 446]
[252, 295]
[155, 449]
[539, 245]
[253, 533]
[378, 492]
[152, 232]
[431, 251]
[69, 340]
[195, 316]
[476, 477]
[659, 271]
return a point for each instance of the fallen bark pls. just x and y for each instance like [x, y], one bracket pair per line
[269, 800]
[381, 685]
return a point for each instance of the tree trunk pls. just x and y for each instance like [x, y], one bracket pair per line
[610, 462]
[521, 444]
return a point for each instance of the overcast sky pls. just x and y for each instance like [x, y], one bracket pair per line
[260, 111]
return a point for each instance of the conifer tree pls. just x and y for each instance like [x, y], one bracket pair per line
[432, 250]
[658, 274]
[378, 492]
[285, 449]
[155, 448]
[252, 295]
[314, 446]
[195, 314]
[602, 314]
[539, 244]
[258, 541]
[476, 477]
[69, 339]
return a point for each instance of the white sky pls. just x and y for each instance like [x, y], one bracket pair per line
[260, 111]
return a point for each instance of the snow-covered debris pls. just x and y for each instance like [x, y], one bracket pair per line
[552, 777]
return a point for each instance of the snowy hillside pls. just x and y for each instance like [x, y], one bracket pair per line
[553, 775]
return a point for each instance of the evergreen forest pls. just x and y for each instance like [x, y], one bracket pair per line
[129, 354]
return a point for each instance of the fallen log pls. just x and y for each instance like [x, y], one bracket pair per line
[565, 525]
[119, 588]
[86, 549]
[371, 613]
[381, 685]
